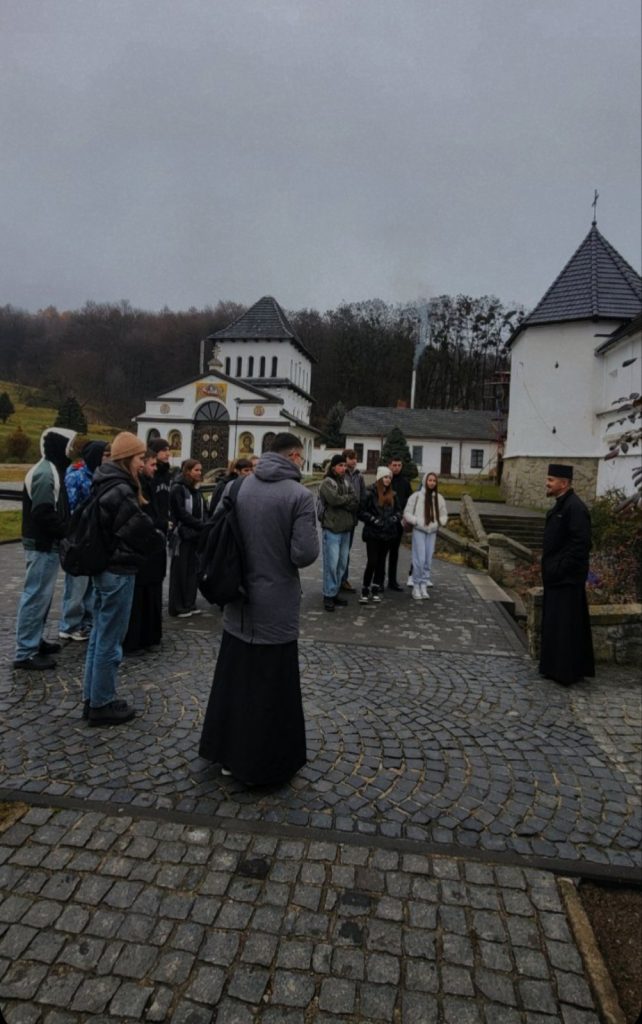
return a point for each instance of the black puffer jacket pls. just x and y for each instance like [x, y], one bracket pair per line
[187, 522]
[379, 523]
[133, 534]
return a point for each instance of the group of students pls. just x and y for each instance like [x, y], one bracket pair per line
[385, 508]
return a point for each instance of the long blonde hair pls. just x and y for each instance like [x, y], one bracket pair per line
[126, 464]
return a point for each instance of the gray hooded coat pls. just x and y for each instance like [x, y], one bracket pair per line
[279, 525]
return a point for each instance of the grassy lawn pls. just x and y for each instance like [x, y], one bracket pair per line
[10, 523]
[33, 419]
[479, 490]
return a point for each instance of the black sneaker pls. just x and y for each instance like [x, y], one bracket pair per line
[328, 604]
[115, 713]
[340, 601]
[394, 586]
[47, 647]
[86, 706]
[36, 663]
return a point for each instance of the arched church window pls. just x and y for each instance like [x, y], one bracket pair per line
[228, 365]
[274, 365]
[175, 441]
[212, 411]
[152, 435]
[239, 366]
[250, 366]
[262, 367]
[266, 445]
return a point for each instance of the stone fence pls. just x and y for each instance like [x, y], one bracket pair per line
[616, 629]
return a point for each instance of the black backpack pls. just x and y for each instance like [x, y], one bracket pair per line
[221, 565]
[86, 551]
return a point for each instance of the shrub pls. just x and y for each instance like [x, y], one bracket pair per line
[17, 446]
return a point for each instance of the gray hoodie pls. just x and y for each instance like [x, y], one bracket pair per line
[279, 525]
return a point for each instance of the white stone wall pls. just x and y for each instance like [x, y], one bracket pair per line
[555, 391]
[291, 363]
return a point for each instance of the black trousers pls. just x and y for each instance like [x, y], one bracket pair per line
[376, 551]
[395, 544]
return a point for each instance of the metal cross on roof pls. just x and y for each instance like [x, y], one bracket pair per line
[596, 196]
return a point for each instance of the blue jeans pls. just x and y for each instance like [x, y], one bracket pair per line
[37, 594]
[423, 548]
[77, 603]
[112, 605]
[346, 571]
[336, 549]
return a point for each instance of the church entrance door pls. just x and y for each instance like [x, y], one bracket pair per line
[211, 436]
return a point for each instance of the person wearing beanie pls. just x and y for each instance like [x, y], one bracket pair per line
[567, 644]
[161, 482]
[339, 506]
[78, 591]
[381, 516]
[45, 517]
[133, 539]
[425, 511]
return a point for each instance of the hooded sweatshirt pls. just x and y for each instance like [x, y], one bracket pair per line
[45, 511]
[278, 523]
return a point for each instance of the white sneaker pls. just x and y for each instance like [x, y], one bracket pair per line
[76, 634]
[410, 582]
[424, 593]
[184, 615]
[429, 583]
[416, 594]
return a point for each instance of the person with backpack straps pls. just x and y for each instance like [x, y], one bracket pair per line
[131, 537]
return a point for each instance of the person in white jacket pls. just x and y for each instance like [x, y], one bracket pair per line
[426, 512]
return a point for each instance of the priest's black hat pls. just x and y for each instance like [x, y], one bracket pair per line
[557, 469]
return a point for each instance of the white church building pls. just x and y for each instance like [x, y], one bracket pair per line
[257, 385]
[577, 352]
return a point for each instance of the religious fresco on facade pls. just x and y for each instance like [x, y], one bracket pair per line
[210, 389]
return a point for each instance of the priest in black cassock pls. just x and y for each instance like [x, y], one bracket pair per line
[567, 646]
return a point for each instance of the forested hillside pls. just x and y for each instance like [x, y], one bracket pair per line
[112, 357]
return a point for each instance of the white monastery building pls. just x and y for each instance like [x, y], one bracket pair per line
[449, 442]
[572, 357]
[257, 385]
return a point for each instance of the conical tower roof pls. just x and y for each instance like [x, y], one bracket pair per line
[596, 283]
[264, 321]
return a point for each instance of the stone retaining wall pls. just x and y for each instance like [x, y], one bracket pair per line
[524, 478]
[616, 629]
[505, 556]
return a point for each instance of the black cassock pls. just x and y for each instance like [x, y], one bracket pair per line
[567, 646]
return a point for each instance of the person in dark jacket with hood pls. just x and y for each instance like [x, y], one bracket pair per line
[45, 516]
[254, 725]
[241, 467]
[133, 538]
[187, 511]
[78, 592]
[162, 480]
[145, 628]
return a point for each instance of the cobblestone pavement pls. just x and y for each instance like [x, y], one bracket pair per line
[375, 887]
[112, 918]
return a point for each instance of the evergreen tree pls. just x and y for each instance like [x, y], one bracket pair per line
[332, 435]
[396, 447]
[70, 415]
[6, 407]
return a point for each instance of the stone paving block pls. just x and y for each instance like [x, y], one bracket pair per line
[46, 946]
[159, 1004]
[248, 984]
[383, 969]
[461, 1011]
[531, 963]
[173, 968]
[337, 995]
[421, 976]
[292, 989]
[59, 987]
[13, 908]
[73, 919]
[260, 948]
[495, 986]
[573, 1015]
[22, 980]
[134, 960]
[220, 948]
[456, 981]
[93, 995]
[229, 1011]
[537, 996]
[419, 942]
[377, 1002]
[186, 1012]
[501, 1015]
[83, 953]
[418, 1008]
[293, 953]
[571, 988]
[15, 940]
[206, 985]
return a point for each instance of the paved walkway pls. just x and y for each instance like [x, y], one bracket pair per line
[402, 876]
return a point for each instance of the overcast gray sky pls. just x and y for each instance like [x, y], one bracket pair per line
[178, 152]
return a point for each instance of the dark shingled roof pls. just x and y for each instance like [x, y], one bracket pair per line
[622, 332]
[263, 321]
[596, 283]
[470, 424]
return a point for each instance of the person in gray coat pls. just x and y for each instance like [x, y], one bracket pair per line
[254, 725]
